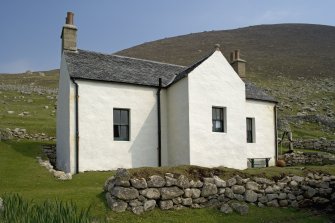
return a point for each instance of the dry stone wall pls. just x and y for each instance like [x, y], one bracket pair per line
[316, 144]
[294, 159]
[175, 192]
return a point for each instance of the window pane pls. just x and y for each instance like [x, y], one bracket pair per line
[250, 137]
[218, 114]
[217, 119]
[124, 132]
[249, 124]
[218, 124]
[124, 117]
[116, 131]
[116, 116]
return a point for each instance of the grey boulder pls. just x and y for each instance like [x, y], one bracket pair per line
[156, 181]
[183, 182]
[125, 193]
[170, 192]
[166, 205]
[149, 205]
[137, 210]
[240, 208]
[250, 196]
[226, 209]
[151, 193]
[208, 189]
[139, 183]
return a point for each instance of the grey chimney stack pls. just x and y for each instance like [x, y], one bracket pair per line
[69, 34]
[237, 63]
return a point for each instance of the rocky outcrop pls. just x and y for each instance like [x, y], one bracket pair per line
[177, 192]
[5, 134]
[23, 134]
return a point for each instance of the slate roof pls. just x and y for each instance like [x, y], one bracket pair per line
[255, 93]
[114, 68]
[106, 67]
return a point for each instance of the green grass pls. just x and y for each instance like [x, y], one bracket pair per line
[310, 131]
[39, 120]
[255, 215]
[284, 149]
[20, 173]
[19, 210]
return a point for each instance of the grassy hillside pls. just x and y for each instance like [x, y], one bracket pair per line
[293, 62]
[28, 101]
[292, 50]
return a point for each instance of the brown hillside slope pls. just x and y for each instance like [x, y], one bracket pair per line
[282, 49]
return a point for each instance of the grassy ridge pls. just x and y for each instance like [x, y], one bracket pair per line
[48, 79]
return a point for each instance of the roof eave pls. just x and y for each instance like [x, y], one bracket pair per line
[264, 100]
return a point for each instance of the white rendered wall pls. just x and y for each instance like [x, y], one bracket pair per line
[62, 117]
[178, 123]
[72, 127]
[98, 150]
[215, 83]
[264, 146]
[164, 128]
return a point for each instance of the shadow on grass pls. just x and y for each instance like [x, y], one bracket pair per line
[26, 148]
[102, 198]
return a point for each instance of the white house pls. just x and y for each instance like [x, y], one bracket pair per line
[115, 111]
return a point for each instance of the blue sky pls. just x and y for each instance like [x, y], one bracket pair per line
[30, 30]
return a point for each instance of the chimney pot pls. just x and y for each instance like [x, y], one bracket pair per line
[69, 34]
[237, 54]
[231, 57]
[69, 18]
[237, 63]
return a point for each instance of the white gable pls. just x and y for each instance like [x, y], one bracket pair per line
[215, 83]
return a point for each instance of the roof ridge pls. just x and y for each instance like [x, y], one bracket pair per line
[133, 58]
[152, 61]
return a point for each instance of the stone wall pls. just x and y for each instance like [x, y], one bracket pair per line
[175, 192]
[50, 152]
[294, 159]
[316, 144]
